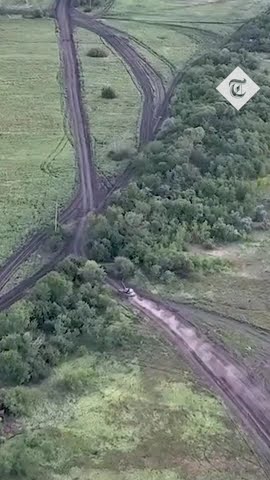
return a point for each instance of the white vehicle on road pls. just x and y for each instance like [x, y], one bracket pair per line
[128, 291]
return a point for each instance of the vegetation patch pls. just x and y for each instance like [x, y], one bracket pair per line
[168, 46]
[197, 182]
[25, 3]
[201, 14]
[31, 127]
[97, 53]
[108, 92]
[65, 308]
[135, 418]
[113, 126]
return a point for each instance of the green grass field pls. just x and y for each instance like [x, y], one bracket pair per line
[178, 11]
[180, 29]
[31, 127]
[129, 416]
[241, 291]
[113, 122]
[25, 3]
[170, 44]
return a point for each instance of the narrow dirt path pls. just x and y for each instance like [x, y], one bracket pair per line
[246, 398]
[84, 199]
[149, 81]
[77, 116]
[153, 93]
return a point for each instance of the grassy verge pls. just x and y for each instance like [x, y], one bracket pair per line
[230, 307]
[242, 291]
[203, 11]
[25, 3]
[113, 122]
[168, 43]
[182, 28]
[31, 126]
[131, 416]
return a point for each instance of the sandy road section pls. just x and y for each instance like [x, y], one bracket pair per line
[79, 125]
[245, 397]
[152, 89]
[84, 199]
[148, 80]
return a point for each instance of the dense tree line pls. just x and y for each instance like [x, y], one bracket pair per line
[69, 305]
[253, 36]
[197, 181]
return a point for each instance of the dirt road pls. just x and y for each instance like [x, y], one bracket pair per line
[153, 93]
[246, 398]
[77, 116]
[148, 80]
[84, 199]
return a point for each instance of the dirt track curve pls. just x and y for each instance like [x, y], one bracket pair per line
[246, 398]
[149, 81]
[83, 200]
[150, 84]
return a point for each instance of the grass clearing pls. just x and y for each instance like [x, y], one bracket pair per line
[168, 43]
[241, 292]
[196, 11]
[113, 122]
[136, 418]
[31, 126]
[181, 28]
[25, 3]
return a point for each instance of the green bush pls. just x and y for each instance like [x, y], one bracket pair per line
[36, 13]
[122, 153]
[108, 93]
[19, 401]
[75, 381]
[97, 52]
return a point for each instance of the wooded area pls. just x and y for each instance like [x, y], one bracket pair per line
[69, 305]
[197, 182]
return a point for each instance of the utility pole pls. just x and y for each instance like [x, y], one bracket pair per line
[56, 216]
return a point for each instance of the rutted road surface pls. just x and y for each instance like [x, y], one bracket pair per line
[148, 79]
[78, 120]
[84, 199]
[153, 93]
[246, 398]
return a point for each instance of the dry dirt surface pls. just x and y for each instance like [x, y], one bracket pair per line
[146, 77]
[246, 398]
[84, 200]
[152, 89]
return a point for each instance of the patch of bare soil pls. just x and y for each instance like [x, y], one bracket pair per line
[247, 398]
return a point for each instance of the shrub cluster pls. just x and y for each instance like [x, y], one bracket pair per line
[197, 182]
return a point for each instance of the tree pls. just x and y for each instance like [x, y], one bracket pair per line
[97, 52]
[92, 273]
[108, 93]
[123, 268]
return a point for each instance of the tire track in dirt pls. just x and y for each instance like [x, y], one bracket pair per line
[247, 399]
[153, 93]
[84, 199]
[149, 82]
[148, 79]
[78, 120]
